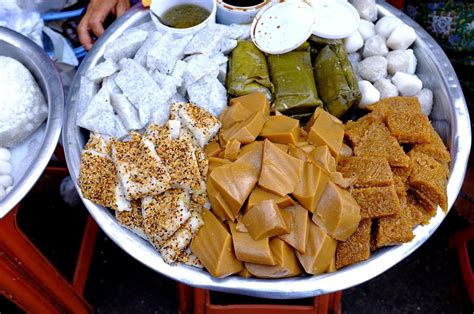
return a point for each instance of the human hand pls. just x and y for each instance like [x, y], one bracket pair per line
[93, 20]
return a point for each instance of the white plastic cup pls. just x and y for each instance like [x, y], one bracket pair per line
[230, 14]
[158, 8]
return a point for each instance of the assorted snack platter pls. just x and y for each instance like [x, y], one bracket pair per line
[197, 177]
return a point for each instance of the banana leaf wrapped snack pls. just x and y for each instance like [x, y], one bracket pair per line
[295, 88]
[248, 71]
[335, 80]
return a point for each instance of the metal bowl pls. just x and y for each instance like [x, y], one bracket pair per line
[19, 47]
[450, 117]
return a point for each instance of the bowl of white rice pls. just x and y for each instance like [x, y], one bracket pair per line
[32, 102]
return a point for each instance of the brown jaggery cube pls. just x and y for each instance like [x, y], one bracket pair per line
[396, 229]
[430, 178]
[409, 128]
[376, 202]
[378, 141]
[368, 170]
[356, 248]
[420, 216]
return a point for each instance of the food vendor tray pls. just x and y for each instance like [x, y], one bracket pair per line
[30, 158]
[450, 117]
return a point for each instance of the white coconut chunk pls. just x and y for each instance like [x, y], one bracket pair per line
[354, 42]
[407, 84]
[386, 25]
[375, 46]
[372, 68]
[367, 9]
[366, 29]
[402, 37]
[369, 93]
[386, 88]
[425, 97]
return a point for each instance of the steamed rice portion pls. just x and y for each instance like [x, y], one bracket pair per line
[22, 105]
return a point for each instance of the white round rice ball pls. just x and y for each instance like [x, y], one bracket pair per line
[407, 84]
[398, 61]
[372, 68]
[5, 154]
[386, 88]
[386, 25]
[366, 29]
[354, 42]
[375, 46]
[367, 9]
[5, 167]
[402, 37]
[21, 96]
[412, 62]
[354, 57]
[369, 94]
[3, 192]
[425, 97]
[6, 180]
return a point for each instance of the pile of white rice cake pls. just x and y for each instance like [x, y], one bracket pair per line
[380, 55]
[145, 71]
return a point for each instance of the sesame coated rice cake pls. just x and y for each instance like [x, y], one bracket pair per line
[132, 220]
[378, 141]
[356, 248]
[376, 202]
[368, 170]
[396, 229]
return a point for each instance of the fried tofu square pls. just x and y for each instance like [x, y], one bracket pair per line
[429, 178]
[140, 169]
[378, 141]
[367, 170]
[420, 215]
[356, 248]
[376, 202]
[164, 214]
[409, 128]
[132, 220]
[396, 229]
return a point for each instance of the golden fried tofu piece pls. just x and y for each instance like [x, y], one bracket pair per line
[356, 248]
[378, 141]
[376, 202]
[133, 219]
[396, 229]
[367, 170]
[409, 128]
[430, 178]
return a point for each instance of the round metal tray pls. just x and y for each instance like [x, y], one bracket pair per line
[19, 47]
[450, 117]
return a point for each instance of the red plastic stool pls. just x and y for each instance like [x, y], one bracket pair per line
[459, 242]
[198, 301]
[28, 278]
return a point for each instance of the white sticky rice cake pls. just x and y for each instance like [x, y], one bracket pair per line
[98, 176]
[238, 31]
[110, 85]
[187, 257]
[127, 113]
[87, 90]
[208, 93]
[168, 50]
[102, 70]
[199, 66]
[133, 219]
[151, 40]
[140, 169]
[126, 46]
[99, 116]
[164, 214]
[206, 41]
[142, 91]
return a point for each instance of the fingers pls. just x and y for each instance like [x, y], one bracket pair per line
[121, 7]
[84, 36]
[93, 20]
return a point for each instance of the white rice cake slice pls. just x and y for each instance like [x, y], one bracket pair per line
[203, 125]
[132, 220]
[238, 31]
[177, 98]
[178, 72]
[142, 91]
[110, 85]
[102, 70]
[207, 41]
[179, 156]
[174, 127]
[126, 46]
[227, 45]
[127, 113]
[99, 116]
[164, 214]
[199, 66]
[99, 182]
[209, 94]
[152, 39]
[99, 143]
[221, 61]
[87, 90]
[179, 242]
[140, 169]
[164, 55]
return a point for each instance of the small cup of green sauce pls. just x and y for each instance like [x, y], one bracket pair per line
[183, 17]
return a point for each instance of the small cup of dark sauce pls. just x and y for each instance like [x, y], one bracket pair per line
[238, 11]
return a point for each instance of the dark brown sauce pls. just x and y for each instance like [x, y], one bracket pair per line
[243, 3]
